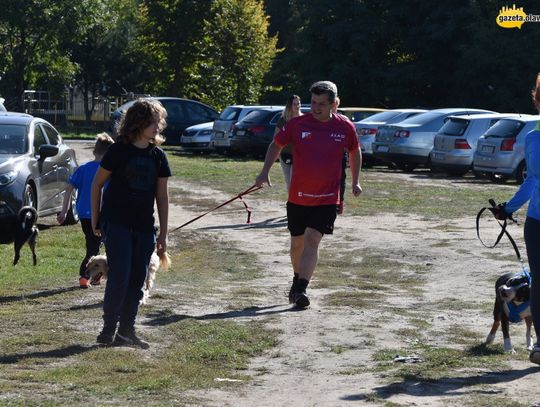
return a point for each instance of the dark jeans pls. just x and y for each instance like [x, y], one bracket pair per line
[128, 256]
[92, 244]
[532, 242]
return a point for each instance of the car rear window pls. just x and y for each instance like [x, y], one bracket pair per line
[505, 128]
[12, 139]
[382, 117]
[454, 127]
[423, 118]
[230, 113]
[259, 116]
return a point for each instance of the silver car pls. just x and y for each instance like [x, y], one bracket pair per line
[198, 138]
[500, 151]
[367, 128]
[407, 144]
[455, 142]
[222, 130]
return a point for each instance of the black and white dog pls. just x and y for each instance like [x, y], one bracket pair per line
[19, 230]
[512, 304]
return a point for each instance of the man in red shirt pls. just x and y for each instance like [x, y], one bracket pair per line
[318, 140]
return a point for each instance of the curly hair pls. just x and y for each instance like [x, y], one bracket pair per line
[138, 117]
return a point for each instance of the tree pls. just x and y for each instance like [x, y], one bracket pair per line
[217, 51]
[29, 36]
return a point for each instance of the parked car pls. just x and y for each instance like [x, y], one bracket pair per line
[407, 144]
[35, 166]
[455, 142]
[181, 114]
[222, 131]
[367, 128]
[355, 114]
[253, 134]
[500, 151]
[198, 138]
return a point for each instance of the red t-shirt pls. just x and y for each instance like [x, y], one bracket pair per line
[317, 149]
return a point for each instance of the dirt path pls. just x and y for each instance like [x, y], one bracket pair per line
[305, 369]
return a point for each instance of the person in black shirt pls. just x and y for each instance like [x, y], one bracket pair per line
[137, 171]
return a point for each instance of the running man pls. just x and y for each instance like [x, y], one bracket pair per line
[318, 140]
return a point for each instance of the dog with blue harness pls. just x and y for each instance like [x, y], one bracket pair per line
[512, 305]
[512, 290]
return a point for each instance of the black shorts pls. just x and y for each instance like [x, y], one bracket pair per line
[320, 218]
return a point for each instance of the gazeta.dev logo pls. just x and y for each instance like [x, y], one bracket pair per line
[511, 17]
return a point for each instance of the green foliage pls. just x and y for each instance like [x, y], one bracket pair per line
[218, 52]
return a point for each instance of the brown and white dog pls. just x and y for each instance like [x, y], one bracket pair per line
[512, 304]
[97, 269]
[20, 229]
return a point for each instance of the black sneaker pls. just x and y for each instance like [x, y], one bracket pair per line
[129, 338]
[106, 337]
[301, 299]
[291, 294]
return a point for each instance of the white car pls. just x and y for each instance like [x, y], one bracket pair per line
[198, 138]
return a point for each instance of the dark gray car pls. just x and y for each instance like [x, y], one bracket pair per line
[35, 166]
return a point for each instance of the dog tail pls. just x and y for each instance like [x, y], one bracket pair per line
[164, 261]
[28, 216]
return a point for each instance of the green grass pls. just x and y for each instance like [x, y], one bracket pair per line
[48, 354]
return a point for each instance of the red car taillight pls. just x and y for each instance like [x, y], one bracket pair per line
[367, 132]
[508, 144]
[461, 144]
[401, 133]
[256, 129]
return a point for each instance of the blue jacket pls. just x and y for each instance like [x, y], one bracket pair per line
[530, 189]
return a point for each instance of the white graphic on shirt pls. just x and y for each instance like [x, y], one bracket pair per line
[306, 134]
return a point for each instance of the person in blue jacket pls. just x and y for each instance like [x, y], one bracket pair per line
[530, 191]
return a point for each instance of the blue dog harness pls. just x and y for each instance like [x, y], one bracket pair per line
[517, 281]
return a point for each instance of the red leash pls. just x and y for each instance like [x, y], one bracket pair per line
[251, 189]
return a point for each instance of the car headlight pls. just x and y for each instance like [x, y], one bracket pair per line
[7, 177]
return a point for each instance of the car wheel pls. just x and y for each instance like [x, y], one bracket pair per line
[29, 197]
[72, 217]
[521, 172]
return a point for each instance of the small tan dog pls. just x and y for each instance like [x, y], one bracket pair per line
[97, 269]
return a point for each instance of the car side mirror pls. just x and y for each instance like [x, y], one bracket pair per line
[47, 150]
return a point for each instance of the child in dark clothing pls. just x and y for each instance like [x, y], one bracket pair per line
[137, 171]
[81, 180]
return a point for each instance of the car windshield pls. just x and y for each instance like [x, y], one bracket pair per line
[454, 127]
[230, 113]
[381, 117]
[12, 139]
[423, 118]
[505, 128]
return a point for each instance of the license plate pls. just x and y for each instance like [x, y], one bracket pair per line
[219, 134]
[240, 132]
[488, 149]
[382, 149]
[438, 156]
[186, 140]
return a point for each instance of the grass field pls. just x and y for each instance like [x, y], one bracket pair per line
[48, 354]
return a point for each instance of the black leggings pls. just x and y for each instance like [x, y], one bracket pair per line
[532, 242]
[92, 244]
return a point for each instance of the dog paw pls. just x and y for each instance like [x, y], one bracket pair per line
[490, 338]
[508, 348]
